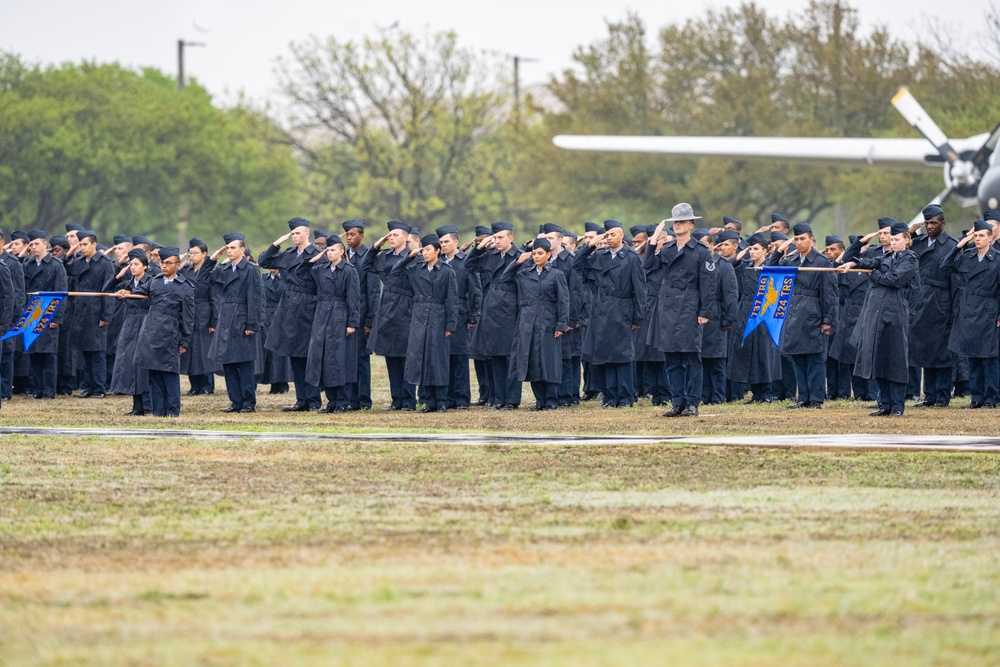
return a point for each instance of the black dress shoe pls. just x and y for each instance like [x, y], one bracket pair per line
[193, 392]
[689, 411]
[230, 408]
[295, 408]
[896, 413]
[337, 410]
[133, 413]
[974, 406]
[507, 406]
[81, 394]
[408, 409]
[674, 411]
[923, 404]
[815, 405]
[481, 402]
[795, 406]
[873, 406]
[882, 412]
[249, 410]
[590, 395]
[95, 395]
[428, 408]
[536, 408]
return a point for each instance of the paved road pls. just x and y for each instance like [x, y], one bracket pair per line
[846, 442]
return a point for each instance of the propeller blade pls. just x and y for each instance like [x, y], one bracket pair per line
[983, 154]
[940, 199]
[907, 105]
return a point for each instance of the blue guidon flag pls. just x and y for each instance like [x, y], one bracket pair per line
[770, 305]
[36, 317]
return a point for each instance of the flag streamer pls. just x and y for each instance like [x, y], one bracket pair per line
[770, 305]
[36, 317]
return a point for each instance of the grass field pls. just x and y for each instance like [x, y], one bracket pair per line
[181, 552]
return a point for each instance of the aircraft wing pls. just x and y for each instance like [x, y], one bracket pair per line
[906, 153]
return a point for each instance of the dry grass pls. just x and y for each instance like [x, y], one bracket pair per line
[181, 552]
[588, 418]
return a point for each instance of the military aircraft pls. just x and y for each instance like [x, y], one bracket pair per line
[971, 171]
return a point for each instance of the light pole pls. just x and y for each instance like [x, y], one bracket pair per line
[517, 84]
[180, 60]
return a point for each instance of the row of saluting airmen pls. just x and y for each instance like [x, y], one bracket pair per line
[660, 314]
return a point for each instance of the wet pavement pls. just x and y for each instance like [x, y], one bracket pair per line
[818, 441]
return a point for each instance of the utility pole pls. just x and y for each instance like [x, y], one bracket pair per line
[517, 84]
[180, 60]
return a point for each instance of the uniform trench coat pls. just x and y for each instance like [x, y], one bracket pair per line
[645, 351]
[722, 312]
[391, 324]
[276, 368]
[116, 309]
[333, 355]
[978, 304]
[238, 297]
[853, 290]
[572, 340]
[686, 293]
[542, 309]
[370, 287]
[933, 312]
[814, 302]
[619, 303]
[289, 332]
[127, 378]
[196, 360]
[435, 311]
[8, 297]
[85, 332]
[167, 326]
[882, 350]
[494, 335]
[755, 360]
[47, 276]
[469, 302]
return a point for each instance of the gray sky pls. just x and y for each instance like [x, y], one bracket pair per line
[244, 38]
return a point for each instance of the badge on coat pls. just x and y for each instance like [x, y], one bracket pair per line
[710, 266]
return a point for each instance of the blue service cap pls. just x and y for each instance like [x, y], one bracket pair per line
[775, 217]
[139, 254]
[651, 229]
[612, 224]
[141, 240]
[430, 239]
[483, 230]
[353, 224]
[74, 227]
[727, 235]
[86, 233]
[35, 234]
[550, 228]
[885, 222]
[121, 238]
[758, 239]
[393, 225]
[898, 228]
[18, 235]
[699, 233]
[637, 229]
[320, 233]
[592, 227]
[834, 239]
[991, 214]
[169, 251]
[727, 219]
[541, 243]
[802, 228]
[982, 226]
[333, 239]
[931, 211]
[778, 236]
[198, 242]
[446, 229]
[229, 237]
[569, 234]
[59, 240]
[414, 230]
[155, 246]
[295, 223]
[501, 226]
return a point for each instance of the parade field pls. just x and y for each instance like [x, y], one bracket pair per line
[178, 551]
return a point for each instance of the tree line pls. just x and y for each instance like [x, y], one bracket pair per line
[423, 129]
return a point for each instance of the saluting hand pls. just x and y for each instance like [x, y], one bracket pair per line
[597, 239]
[488, 242]
[381, 242]
[784, 246]
[281, 239]
[765, 228]
[868, 237]
[468, 244]
[742, 253]
[965, 239]
[218, 253]
[523, 257]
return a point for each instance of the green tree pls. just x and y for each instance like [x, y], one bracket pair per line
[397, 126]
